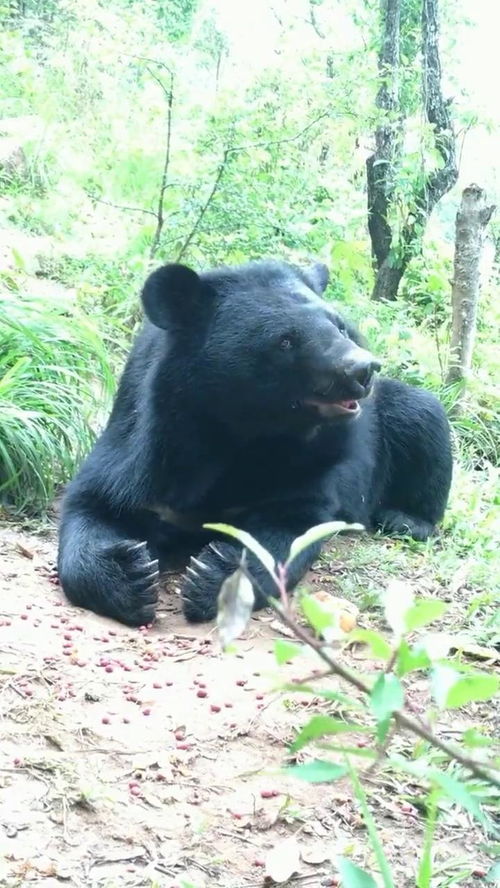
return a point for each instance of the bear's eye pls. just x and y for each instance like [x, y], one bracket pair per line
[342, 329]
[286, 343]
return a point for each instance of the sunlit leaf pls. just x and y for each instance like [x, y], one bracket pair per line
[320, 726]
[319, 532]
[318, 617]
[234, 607]
[436, 645]
[410, 659]
[424, 612]
[452, 689]
[354, 877]
[332, 696]
[249, 542]
[318, 771]
[457, 791]
[398, 600]
[286, 650]
[378, 645]
[386, 696]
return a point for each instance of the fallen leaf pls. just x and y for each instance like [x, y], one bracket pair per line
[283, 861]
[315, 854]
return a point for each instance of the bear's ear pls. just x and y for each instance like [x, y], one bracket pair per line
[318, 275]
[171, 294]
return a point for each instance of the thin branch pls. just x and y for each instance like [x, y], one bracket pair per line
[119, 206]
[314, 21]
[160, 219]
[228, 152]
[401, 718]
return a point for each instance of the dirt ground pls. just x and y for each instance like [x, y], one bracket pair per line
[148, 758]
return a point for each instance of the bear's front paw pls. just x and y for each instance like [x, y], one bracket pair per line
[203, 579]
[132, 588]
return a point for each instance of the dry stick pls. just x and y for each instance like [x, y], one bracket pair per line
[403, 720]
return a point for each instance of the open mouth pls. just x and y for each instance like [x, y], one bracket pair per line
[336, 408]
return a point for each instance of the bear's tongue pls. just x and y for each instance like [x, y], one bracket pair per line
[348, 405]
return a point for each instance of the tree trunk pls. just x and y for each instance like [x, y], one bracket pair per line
[381, 165]
[387, 281]
[471, 222]
[392, 253]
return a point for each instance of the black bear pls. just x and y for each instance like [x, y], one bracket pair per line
[246, 399]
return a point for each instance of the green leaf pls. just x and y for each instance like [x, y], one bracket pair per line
[451, 689]
[386, 696]
[249, 542]
[383, 727]
[333, 696]
[354, 877]
[318, 532]
[319, 726]
[458, 792]
[473, 738]
[318, 771]
[286, 650]
[378, 645]
[473, 687]
[425, 869]
[493, 876]
[318, 617]
[398, 600]
[371, 826]
[424, 612]
[410, 659]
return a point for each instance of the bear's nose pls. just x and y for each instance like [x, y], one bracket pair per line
[359, 366]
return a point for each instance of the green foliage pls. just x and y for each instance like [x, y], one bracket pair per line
[54, 375]
[383, 710]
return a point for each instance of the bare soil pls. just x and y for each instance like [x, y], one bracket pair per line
[149, 758]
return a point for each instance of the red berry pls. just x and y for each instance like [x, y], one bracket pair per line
[106, 720]
[201, 693]
[241, 682]
[135, 790]
[24, 616]
[259, 862]
[146, 711]
[157, 685]
[214, 707]
[108, 669]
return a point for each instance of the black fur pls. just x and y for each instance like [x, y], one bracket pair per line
[238, 404]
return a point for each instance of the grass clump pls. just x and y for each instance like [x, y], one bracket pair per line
[55, 378]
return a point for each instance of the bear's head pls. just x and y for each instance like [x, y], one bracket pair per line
[256, 346]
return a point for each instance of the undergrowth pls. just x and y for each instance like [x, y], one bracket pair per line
[55, 377]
